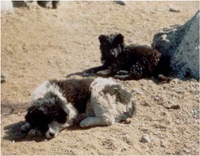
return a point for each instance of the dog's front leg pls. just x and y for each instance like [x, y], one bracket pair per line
[96, 121]
[95, 69]
[34, 133]
[26, 127]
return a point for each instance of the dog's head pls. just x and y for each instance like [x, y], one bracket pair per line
[47, 114]
[111, 46]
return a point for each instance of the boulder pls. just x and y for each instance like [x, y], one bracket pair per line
[180, 44]
[6, 6]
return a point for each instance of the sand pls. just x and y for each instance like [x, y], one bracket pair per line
[39, 44]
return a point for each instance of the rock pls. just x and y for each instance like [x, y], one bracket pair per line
[3, 78]
[120, 2]
[145, 138]
[173, 107]
[180, 48]
[6, 6]
[173, 9]
[136, 91]
[127, 121]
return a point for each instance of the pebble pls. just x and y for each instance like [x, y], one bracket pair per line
[172, 9]
[136, 91]
[127, 121]
[194, 112]
[145, 138]
[3, 78]
[173, 107]
[186, 151]
[127, 139]
[146, 104]
[120, 2]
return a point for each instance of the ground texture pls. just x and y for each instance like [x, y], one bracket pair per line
[39, 44]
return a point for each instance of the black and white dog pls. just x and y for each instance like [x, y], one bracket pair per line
[126, 61]
[57, 105]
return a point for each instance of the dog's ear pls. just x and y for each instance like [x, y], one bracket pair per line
[119, 39]
[60, 116]
[102, 38]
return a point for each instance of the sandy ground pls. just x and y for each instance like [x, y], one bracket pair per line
[39, 44]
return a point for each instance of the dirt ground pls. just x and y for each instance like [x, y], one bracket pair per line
[39, 44]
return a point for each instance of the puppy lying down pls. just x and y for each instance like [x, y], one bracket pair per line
[56, 105]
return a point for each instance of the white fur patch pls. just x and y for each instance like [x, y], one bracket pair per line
[109, 102]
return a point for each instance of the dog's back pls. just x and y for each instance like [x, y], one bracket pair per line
[76, 92]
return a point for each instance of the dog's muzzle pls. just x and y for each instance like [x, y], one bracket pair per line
[54, 129]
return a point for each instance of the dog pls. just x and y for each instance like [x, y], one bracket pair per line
[58, 104]
[126, 62]
[44, 3]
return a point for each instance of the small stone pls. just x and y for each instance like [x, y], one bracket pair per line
[173, 107]
[172, 9]
[194, 112]
[136, 91]
[127, 121]
[146, 104]
[186, 151]
[145, 138]
[120, 2]
[3, 78]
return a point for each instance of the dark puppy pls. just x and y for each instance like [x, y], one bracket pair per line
[44, 3]
[125, 62]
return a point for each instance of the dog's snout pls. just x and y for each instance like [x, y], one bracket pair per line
[52, 134]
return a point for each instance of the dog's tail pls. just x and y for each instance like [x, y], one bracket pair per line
[126, 98]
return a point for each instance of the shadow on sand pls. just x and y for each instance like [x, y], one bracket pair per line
[13, 133]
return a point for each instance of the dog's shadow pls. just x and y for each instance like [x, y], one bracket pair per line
[14, 134]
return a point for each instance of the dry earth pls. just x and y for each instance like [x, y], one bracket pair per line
[39, 44]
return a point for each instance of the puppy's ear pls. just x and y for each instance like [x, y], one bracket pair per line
[119, 39]
[102, 38]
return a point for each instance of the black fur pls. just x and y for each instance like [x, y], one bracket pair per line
[46, 110]
[76, 91]
[138, 60]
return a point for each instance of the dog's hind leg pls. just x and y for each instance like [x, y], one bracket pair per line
[96, 121]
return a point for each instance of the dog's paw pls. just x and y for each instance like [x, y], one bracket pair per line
[34, 132]
[84, 123]
[26, 127]
[121, 77]
[122, 72]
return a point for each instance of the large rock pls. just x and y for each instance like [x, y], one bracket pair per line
[181, 45]
[6, 6]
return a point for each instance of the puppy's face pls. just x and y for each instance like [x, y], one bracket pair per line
[47, 116]
[111, 46]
